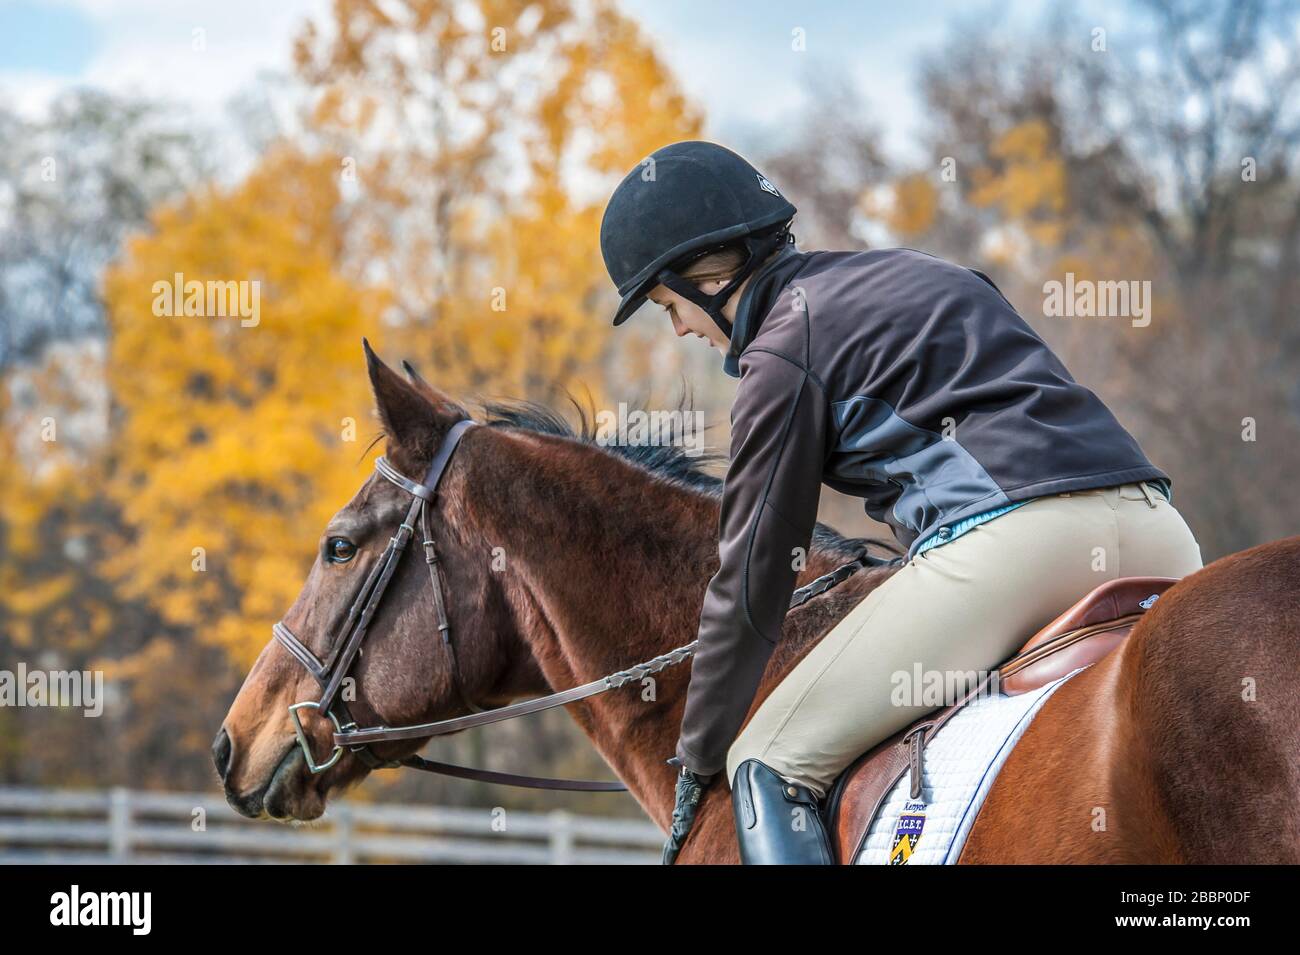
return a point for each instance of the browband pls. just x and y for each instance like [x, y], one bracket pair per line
[330, 673]
[427, 490]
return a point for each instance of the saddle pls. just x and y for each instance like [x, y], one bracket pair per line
[1079, 637]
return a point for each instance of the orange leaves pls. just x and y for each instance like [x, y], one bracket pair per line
[39, 595]
[1026, 181]
[468, 219]
[908, 207]
[629, 96]
[231, 452]
[480, 210]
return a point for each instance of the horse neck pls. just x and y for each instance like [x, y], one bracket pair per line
[605, 567]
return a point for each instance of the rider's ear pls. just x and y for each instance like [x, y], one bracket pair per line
[408, 415]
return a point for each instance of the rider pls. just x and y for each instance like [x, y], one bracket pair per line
[910, 382]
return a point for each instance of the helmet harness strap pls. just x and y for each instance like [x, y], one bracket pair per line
[758, 247]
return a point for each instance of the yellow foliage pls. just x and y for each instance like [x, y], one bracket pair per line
[230, 450]
[501, 284]
[229, 455]
[914, 206]
[50, 474]
[40, 595]
[1026, 183]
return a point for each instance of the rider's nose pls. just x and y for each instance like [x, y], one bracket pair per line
[221, 747]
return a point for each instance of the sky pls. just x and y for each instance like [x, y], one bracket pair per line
[733, 57]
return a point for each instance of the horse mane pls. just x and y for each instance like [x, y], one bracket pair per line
[667, 461]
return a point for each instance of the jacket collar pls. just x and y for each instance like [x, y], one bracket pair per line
[757, 300]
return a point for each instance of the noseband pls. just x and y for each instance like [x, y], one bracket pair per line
[331, 672]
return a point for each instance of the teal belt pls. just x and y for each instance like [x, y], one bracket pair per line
[945, 535]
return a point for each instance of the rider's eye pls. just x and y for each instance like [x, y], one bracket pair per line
[340, 550]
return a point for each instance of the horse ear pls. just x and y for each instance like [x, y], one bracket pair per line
[407, 414]
[440, 400]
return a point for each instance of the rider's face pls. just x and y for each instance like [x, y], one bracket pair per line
[689, 319]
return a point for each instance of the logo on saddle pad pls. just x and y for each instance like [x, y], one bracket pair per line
[907, 833]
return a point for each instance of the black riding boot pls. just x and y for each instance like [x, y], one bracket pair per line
[777, 822]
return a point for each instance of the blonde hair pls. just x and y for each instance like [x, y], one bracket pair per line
[722, 264]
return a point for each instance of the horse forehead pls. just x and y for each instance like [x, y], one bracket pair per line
[374, 499]
[368, 508]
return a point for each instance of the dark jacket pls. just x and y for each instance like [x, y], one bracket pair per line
[896, 377]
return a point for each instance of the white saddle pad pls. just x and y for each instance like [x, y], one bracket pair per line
[959, 768]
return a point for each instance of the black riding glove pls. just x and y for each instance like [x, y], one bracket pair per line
[690, 789]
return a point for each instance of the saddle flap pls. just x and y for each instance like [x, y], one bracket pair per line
[858, 792]
[1082, 635]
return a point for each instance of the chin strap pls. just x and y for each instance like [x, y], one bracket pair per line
[759, 248]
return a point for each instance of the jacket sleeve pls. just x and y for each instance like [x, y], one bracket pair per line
[769, 508]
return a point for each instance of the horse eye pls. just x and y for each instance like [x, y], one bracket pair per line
[340, 550]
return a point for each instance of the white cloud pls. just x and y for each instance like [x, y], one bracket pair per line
[147, 47]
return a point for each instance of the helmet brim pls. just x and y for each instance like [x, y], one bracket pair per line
[648, 277]
[628, 306]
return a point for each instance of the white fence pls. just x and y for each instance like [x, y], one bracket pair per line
[129, 826]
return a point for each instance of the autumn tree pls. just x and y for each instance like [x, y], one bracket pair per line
[1138, 149]
[74, 182]
[480, 141]
[236, 437]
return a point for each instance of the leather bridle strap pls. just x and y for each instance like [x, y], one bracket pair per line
[422, 495]
[300, 652]
[511, 779]
[339, 666]
[383, 734]
[440, 613]
[331, 673]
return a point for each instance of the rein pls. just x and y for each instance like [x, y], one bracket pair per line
[350, 737]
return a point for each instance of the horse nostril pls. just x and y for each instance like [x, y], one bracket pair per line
[221, 747]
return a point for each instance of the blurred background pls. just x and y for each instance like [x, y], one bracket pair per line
[386, 167]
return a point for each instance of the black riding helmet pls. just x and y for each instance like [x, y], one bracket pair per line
[682, 202]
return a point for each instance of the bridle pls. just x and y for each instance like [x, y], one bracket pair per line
[331, 672]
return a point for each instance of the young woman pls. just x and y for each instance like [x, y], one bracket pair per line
[907, 381]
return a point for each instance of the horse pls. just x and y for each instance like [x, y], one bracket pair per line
[566, 559]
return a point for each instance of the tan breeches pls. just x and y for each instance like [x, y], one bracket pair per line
[964, 606]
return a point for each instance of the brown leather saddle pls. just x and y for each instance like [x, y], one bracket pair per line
[1079, 637]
